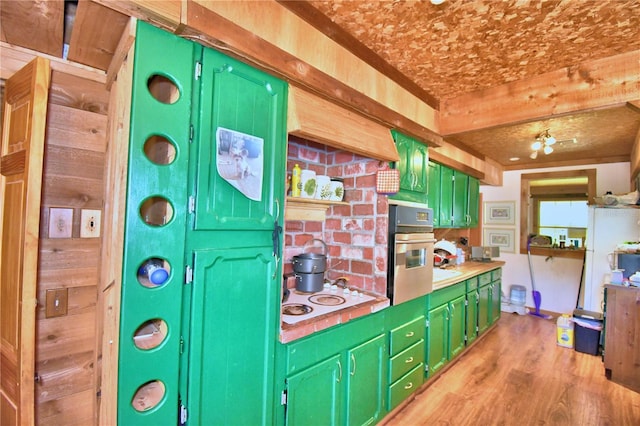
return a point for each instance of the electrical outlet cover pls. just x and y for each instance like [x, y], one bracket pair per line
[90, 223]
[60, 222]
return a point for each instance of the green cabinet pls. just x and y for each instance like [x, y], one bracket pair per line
[489, 299]
[460, 191]
[337, 377]
[453, 196]
[472, 309]
[446, 326]
[315, 394]
[473, 202]
[211, 222]
[413, 167]
[433, 196]
[406, 355]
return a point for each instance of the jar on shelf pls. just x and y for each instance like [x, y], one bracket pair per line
[337, 189]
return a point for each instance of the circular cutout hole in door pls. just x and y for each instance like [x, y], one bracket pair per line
[156, 211]
[163, 89]
[159, 150]
[148, 395]
[150, 334]
[154, 272]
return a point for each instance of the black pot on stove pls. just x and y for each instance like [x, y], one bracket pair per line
[309, 270]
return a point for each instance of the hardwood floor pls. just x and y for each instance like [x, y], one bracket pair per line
[518, 375]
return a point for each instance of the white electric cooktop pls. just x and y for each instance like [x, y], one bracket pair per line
[302, 306]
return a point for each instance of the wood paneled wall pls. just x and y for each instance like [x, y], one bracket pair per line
[73, 178]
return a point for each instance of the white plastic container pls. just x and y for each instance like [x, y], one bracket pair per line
[518, 295]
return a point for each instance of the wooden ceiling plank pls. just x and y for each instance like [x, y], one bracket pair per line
[124, 45]
[95, 35]
[13, 58]
[326, 26]
[36, 25]
[214, 30]
[591, 85]
[165, 14]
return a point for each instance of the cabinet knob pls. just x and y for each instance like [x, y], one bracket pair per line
[410, 334]
[408, 385]
[409, 360]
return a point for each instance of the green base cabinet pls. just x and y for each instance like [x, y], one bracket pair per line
[446, 326]
[338, 376]
[489, 299]
[315, 393]
[472, 310]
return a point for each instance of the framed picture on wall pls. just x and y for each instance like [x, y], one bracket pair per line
[499, 213]
[499, 237]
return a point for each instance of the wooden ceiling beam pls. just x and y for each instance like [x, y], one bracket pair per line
[214, 30]
[587, 86]
[95, 35]
[36, 25]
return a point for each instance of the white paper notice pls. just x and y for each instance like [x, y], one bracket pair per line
[240, 161]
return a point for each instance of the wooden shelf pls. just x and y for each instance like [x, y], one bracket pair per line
[309, 208]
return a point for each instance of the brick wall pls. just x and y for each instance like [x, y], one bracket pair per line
[356, 234]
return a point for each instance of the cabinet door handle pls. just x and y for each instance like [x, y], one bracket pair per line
[408, 385]
[410, 334]
[353, 361]
[339, 375]
[408, 360]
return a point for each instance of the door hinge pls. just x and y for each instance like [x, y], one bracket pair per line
[181, 345]
[188, 276]
[283, 397]
[183, 415]
[426, 368]
[426, 323]
[198, 70]
[191, 130]
[466, 302]
[192, 204]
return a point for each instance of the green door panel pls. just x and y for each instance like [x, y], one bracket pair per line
[231, 346]
[154, 228]
[484, 308]
[457, 326]
[237, 180]
[433, 197]
[314, 395]
[437, 338]
[365, 383]
[460, 188]
[473, 202]
[446, 197]
[472, 316]
[413, 167]
[496, 301]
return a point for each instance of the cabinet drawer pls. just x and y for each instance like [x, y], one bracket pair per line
[484, 279]
[496, 274]
[400, 390]
[406, 360]
[444, 295]
[406, 335]
[472, 284]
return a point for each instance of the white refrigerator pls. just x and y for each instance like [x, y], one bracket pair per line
[606, 228]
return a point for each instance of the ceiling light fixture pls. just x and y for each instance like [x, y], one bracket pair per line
[543, 141]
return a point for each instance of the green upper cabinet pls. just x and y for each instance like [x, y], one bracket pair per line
[460, 190]
[446, 197]
[473, 202]
[457, 200]
[413, 167]
[433, 194]
[241, 138]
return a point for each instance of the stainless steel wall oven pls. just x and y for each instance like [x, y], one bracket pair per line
[410, 255]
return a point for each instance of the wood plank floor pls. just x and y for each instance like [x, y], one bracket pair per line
[518, 375]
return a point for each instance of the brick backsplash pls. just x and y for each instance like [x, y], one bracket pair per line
[355, 234]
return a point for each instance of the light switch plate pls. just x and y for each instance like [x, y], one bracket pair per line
[60, 222]
[57, 301]
[90, 223]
